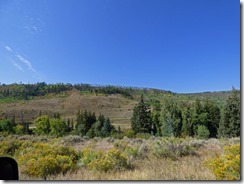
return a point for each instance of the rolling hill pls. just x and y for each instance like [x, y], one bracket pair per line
[27, 102]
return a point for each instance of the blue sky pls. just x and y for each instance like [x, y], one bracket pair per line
[182, 46]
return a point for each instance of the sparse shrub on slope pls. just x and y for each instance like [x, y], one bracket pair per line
[226, 166]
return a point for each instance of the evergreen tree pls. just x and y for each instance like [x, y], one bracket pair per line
[198, 115]
[167, 126]
[156, 118]
[213, 117]
[85, 120]
[107, 128]
[141, 121]
[230, 123]
[187, 124]
[202, 132]
[171, 118]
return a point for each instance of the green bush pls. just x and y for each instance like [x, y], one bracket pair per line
[202, 132]
[143, 135]
[88, 155]
[132, 152]
[173, 148]
[6, 126]
[117, 135]
[129, 134]
[19, 129]
[58, 127]
[42, 125]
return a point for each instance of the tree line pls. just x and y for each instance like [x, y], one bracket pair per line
[26, 91]
[204, 119]
[86, 124]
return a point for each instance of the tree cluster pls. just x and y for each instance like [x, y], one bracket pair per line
[52, 126]
[10, 127]
[88, 124]
[202, 119]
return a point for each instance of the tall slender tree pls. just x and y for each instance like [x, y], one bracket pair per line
[231, 121]
[141, 121]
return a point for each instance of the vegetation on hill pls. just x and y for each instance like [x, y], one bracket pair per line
[73, 135]
[197, 118]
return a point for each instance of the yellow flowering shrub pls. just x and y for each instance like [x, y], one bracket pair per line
[41, 160]
[89, 155]
[113, 160]
[226, 166]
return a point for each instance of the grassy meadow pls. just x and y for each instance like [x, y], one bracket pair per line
[155, 158]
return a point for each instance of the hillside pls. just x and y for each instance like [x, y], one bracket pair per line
[27, 102]
[116, 107]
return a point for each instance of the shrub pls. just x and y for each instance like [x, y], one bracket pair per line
[6, 126]
[19, 129]
[41, 167]
[202, 132]
[226, 166]
[121, 144]
[129, 134]
[64, 163]
[72, 139]
[88, 155]
[9, 147]
[143, 135]
[117, 135]
[132, 151]
[41, 160]
[173, 148]
[113, 160]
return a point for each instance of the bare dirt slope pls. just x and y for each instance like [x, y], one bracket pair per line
[116, 107]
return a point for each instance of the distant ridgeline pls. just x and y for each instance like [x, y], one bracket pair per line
[26, 91]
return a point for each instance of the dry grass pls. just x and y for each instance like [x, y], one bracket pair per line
[116, 107]
[147, 166]
[187, 168]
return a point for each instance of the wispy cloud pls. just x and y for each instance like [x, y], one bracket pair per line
[33, 29]
[8, 49]
[17, 66]
[26, 62]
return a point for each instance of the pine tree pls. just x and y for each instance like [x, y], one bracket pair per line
[167, 126]
[187, 124]
[141, 121]
[231, 120]
[213, 117]
[156, 118]
[106, 129]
